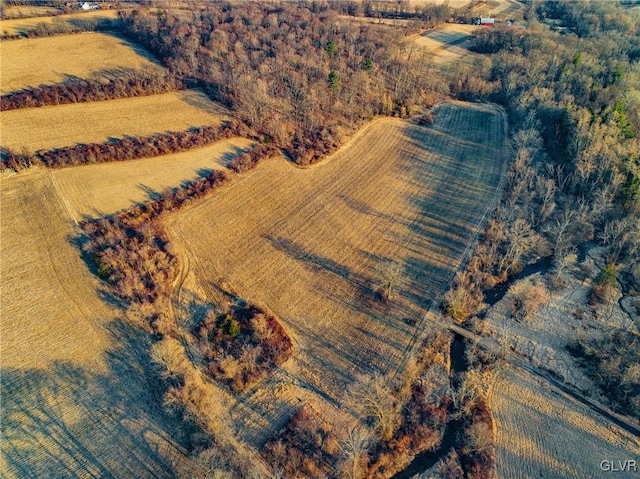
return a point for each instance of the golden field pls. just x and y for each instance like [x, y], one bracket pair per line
[99, 121]
[34, 61]
[73, 404]
[313, 244]
[23, 25]
[103, 189]
[545, 433]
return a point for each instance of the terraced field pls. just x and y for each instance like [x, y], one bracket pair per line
[543, 433]
[35, 61]
[103, 189]
[314, 244]
[23, 25]
[98, 121]
[73, 403]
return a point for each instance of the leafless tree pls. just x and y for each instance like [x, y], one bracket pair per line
[354, 447]
[372, 397]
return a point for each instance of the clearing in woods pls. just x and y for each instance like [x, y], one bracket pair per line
[23, 25]
[313, 245]
[99, 121]
[447, 43]
[103, 189]
[35, 61]
[73, 403]
[544, 433]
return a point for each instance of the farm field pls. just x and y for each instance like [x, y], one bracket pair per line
[34, 61]
[73, 404]
[13, 11]
[313, 244]
[103, 189]
[98, 121]
[447, 44]
[501, 8]
[23, 25]
[543, 433]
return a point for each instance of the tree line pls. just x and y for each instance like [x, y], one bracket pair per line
[78, 90]
[127, 148]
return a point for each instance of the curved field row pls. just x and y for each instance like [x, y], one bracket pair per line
[73, 400]
[23, 25]
[543, 433]
[103, 189]
[35, 61]
[65, 125]
[314, 244]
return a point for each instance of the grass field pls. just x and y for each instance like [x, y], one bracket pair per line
[35, 61]
[66, 125]
[311, 243]
[543, 433]
[98, 190]
[446, 44]
[13, 11]
[22, 25]
[74, 399]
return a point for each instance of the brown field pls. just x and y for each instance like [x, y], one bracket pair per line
[541, 432]
[35, 61]
[310, 244]
[74, 399]
[499, 8]
[23, 25]
[447, 43]
[98, 121]
[13, 11]
[103, 189]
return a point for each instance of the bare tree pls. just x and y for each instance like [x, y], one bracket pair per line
[354, 448]
[390, 274]
[373, 398]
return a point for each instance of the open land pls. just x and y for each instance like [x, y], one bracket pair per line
[447, 43]
[13, 11]
[35, 61]
[73, 403]
[542, 432]
[103, 189]
[96, 122]
[313, 244]
[23, 25]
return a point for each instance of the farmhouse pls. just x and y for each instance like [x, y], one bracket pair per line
[88, 6]
[487, 22]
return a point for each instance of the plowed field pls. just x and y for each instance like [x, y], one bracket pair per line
[74, 399]
[98, 190]
[313, 244]
[35, 61]
[22, 25]
[65, 125]
[544, 433]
